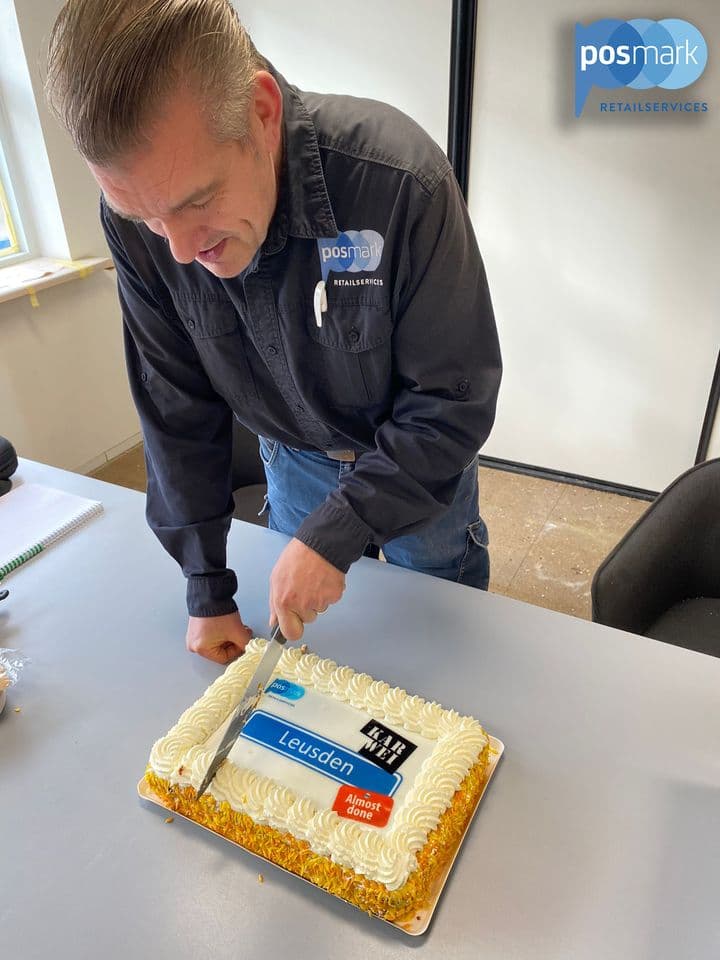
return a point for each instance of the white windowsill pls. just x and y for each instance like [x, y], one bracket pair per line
[28, 278]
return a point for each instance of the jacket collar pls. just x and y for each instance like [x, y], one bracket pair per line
[304, 209]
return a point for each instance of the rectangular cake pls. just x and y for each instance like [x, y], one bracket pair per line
[356, 786]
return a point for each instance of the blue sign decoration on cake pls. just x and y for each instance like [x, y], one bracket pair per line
[318, 753]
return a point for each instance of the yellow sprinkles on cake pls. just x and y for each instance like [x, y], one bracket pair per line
[388, 871]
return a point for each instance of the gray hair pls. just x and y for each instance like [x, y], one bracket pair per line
[112, 63]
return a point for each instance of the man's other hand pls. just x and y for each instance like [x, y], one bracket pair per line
[302, 585]
[221, 639]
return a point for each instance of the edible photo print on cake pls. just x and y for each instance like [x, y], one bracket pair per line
[313, 743]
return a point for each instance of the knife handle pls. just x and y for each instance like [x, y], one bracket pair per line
[278, 636]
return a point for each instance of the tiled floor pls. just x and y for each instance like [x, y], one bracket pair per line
[127, 470]
[546, 538]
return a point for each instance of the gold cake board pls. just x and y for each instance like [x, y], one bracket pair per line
[417, 924]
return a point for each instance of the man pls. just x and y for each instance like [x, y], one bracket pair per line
[304, 263]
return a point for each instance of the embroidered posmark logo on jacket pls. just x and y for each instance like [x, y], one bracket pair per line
[352, 251]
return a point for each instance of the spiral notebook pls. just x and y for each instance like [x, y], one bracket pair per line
[33, 517]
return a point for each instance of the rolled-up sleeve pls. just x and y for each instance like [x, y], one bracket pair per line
[447, 367]
[187, 430]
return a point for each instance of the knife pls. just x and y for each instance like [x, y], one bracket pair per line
[255, 690]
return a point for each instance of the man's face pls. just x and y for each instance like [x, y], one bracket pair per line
[213, 202]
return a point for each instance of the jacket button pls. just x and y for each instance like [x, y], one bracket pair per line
[354, 335]
[143, 377]
[271, 351]
[463, 386]
[191, 324]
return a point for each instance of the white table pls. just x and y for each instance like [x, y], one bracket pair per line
[598, 838]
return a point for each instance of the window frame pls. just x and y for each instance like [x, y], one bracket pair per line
[8, 192]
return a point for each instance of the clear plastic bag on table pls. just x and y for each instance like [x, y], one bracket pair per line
[12, 663]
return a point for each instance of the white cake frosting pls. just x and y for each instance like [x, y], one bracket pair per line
[446, 747]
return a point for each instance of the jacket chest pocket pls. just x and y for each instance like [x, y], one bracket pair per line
[222, 346]
[352, 353]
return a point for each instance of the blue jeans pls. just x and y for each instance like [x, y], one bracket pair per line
[453, 546]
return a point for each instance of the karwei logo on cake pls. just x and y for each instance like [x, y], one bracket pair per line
[385, 747]
[638, 54]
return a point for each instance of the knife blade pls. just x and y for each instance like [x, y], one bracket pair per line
[255, 690]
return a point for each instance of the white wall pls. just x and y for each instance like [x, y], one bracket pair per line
[398, 52]
[64, 397]
[602, 246]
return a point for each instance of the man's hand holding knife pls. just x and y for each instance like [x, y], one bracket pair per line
[302, 585]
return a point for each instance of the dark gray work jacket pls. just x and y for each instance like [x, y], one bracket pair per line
[402, 365]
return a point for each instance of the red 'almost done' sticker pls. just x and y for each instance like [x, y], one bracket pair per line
[363, 806]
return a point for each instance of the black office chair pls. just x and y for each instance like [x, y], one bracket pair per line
[8, 464]
[248, 476]
[663, 579]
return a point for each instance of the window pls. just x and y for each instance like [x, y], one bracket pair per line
[11, 238]
[8, 236]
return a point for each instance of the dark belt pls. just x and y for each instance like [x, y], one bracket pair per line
[346, 456]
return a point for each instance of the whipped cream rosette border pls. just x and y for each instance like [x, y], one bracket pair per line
[389, 857]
